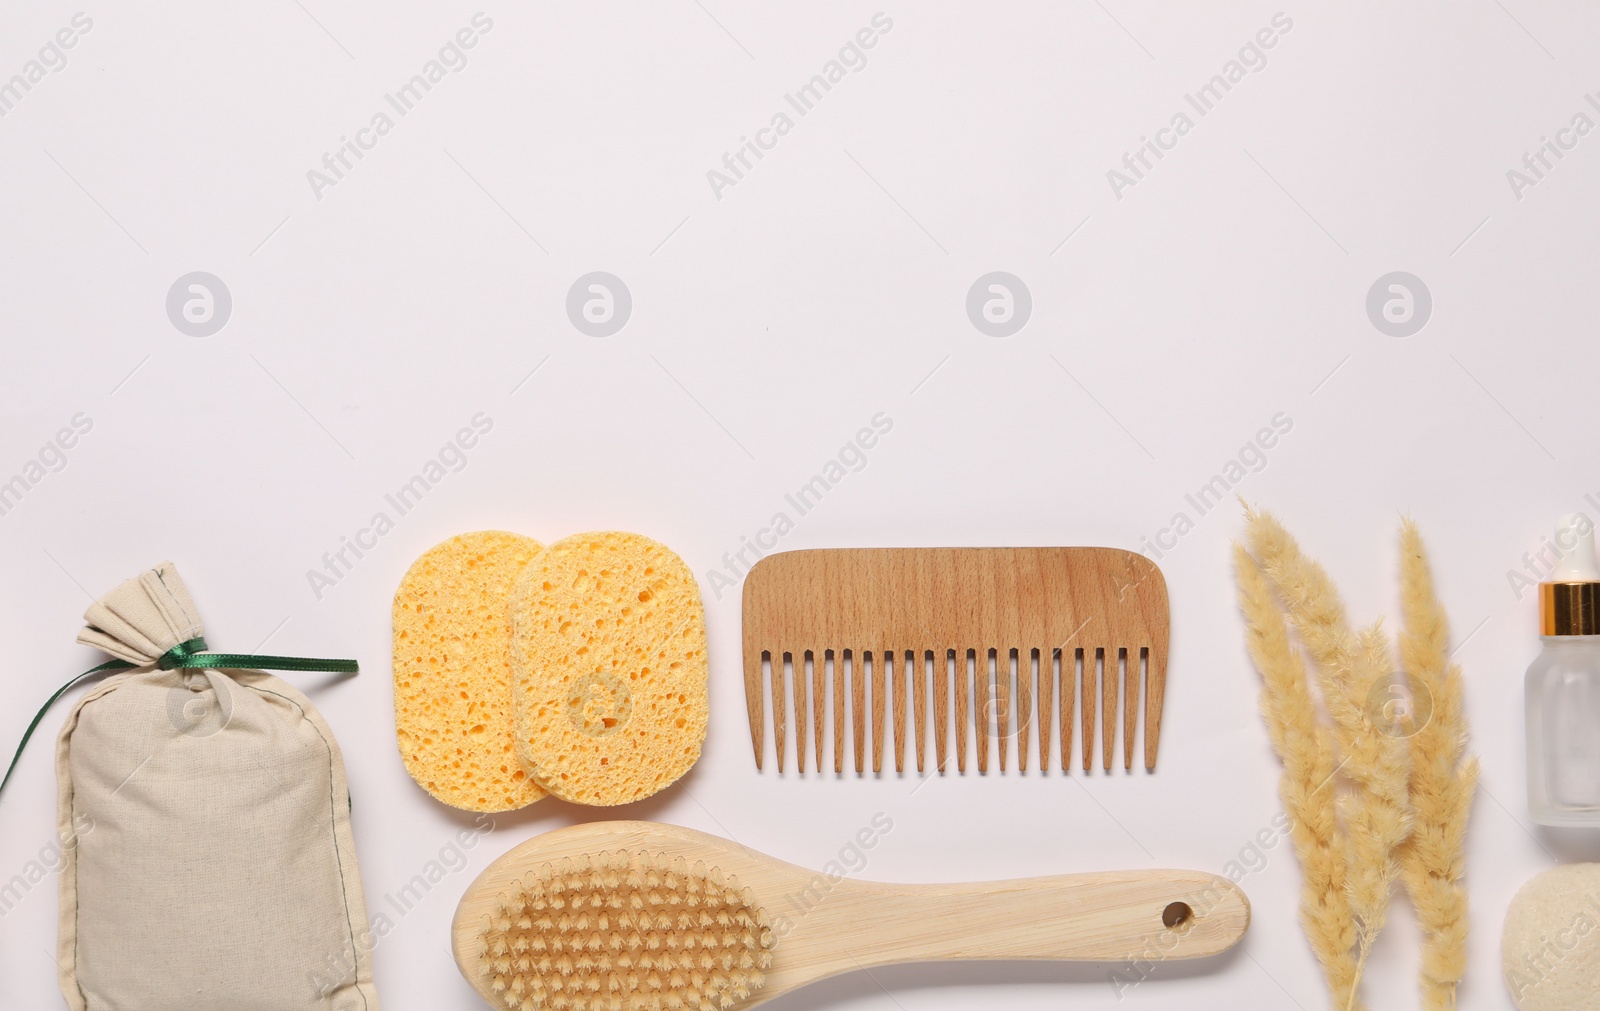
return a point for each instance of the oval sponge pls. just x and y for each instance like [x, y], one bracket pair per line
[1550, 951]
[609, 668]
[452, 672]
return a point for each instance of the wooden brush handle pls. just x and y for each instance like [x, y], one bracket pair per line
[1121, 916]
[824, 925]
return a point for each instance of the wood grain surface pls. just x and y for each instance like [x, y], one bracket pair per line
[1008, 628]
[828, 925]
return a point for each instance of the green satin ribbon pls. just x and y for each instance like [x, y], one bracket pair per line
[192, 654]
[189, 655]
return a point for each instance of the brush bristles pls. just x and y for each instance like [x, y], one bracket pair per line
[626, 932]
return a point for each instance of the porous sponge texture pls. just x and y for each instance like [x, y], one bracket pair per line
[1550, 948]
[452, 672]
[609, 668]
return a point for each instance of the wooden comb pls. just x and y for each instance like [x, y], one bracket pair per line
[1007, 628]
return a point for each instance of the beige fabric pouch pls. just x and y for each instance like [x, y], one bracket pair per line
[213, 865]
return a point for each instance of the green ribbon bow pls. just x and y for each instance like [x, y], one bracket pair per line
[187, 656]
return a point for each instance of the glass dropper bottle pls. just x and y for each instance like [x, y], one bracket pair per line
[1563, 687]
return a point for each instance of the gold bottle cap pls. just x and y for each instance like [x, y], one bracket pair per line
[1569, 608]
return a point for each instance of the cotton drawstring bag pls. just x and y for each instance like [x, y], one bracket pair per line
[213, 866]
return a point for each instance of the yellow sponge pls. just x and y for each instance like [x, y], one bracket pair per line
[452, 672]
[609, 660]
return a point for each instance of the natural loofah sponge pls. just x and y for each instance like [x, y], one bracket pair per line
[1551, 947]
[452, 672]
[609, 655]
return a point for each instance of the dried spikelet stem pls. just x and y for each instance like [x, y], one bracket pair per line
[1442, 785]
[1314, 604]
[1306, 749]
[1377, 816]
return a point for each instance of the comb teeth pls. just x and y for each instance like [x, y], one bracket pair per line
[1001, 703]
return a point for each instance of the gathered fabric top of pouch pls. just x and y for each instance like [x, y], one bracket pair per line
[143, 618]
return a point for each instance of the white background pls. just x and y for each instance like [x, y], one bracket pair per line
[769, 325]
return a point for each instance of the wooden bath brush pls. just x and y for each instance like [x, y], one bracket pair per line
[636, 916]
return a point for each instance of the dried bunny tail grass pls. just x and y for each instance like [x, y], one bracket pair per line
[1315, 606]
[1352, 670]
[1433, 861]
[1377, 816]
[1305, 747]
